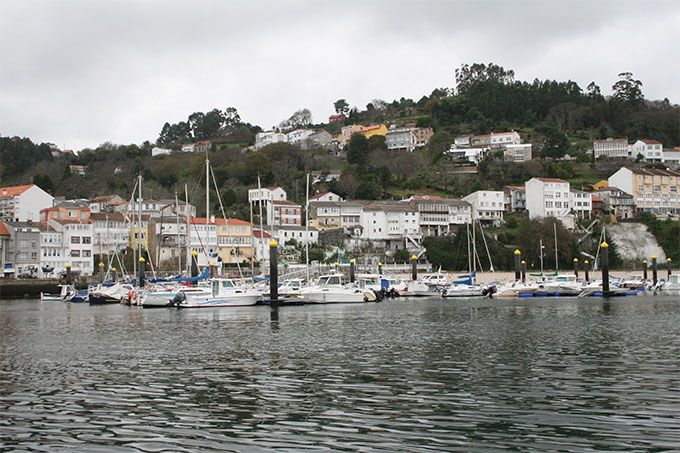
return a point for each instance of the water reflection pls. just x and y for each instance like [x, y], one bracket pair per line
[404, 375]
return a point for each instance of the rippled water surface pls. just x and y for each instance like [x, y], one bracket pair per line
[402, 375]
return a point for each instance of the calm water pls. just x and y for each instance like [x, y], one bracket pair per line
[402, 375]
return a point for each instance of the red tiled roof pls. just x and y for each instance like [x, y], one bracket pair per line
[594, 198]
[15, 190]
[285, 203]
[427, 197]
[319, 195]
[202, 221]
[553, 180]
[259, 234]
[3, 230]
[651, 142]
[237, 222]
[515, 187]
[612, 140]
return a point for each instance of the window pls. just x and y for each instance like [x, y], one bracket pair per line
[75, 253]
[87, 240]
[75, 239]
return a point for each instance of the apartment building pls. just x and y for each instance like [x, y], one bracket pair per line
[654, 190]
[611, 148]
[23, 203]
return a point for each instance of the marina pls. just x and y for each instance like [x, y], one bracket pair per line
[407, 374]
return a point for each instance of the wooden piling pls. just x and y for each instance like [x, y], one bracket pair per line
[604, 263]
[654, 275]
[273, 273]
[576, 267]
[142, 265]
[414, 267]
[351, 270]
[518, 272]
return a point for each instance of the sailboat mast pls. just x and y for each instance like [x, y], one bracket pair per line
[557, 265]
[259, 195]
[307, 228]
[541, 254]
[474, 242]
[467, 238]
[179, 248]
[186, 214]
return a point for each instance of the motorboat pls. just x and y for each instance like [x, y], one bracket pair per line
[671, 286]
[331, 289]
[465, 290]
[430, 285]
[64, 292]
[163, 295]
[223, 293]
[515, 288]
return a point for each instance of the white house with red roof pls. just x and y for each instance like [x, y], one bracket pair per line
[651, 150]
[549, 197]
[23, 203]
[325, 196]
[77, 240]
[611, 148]
[284, 213]
[202, 236]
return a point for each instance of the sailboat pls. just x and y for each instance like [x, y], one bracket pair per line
[464, 286]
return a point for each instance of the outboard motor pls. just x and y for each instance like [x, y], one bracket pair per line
[178, 299]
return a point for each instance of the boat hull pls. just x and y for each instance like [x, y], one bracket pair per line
[237, 300]
[333, 297]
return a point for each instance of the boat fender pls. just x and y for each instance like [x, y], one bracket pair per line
[132, 296]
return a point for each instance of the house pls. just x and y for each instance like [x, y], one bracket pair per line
[401, 139]
[549, 197]
[433, 214]
[367, 131]
[235, 241]
[77, 240]
[299, 137]
[22, 249]
[655, 191]
[396, 225]
[263, 139]
[375, 129]
[53, 256]
[324, 215]
[203, 239]
[167, 241]
[650, 150]
[460, 211]
[156, 151]
[487, 206]
[598, 206]
[301, 234]
[334, 118]
[325, 176]
[111, 233]
[350, 214]
[500, 140]
[515, 198]
[283, 212]
[170, 207]
[198, 147]
[104, 203]
[321, 139]
[265, 198]
[615, 201]
[139, 231]
[76, 210]
[517, 153]
[23, 203]
[671, 156]
[611, 148]
[325, 196]
[473, 155]
[262, 240]
[77, 170]
[581, 203]
[423, 136]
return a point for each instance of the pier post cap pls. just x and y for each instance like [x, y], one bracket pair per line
[575, 260]
[141, 259]
[653, 257]
[669, 260]
[273, 243]
[586, 261]
[414, 257]
[523, 262]
[351, 261]
[604, 244]
[212, 264]
[195, 253]
[337, 263]
[517, 252]
[68, 265]
[644, 261]
[379, 264]
[101, 264]
[113, 269]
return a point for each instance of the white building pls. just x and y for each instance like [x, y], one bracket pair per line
[651, 150]
[104, 203]
[350, 214]
[263, 139]
[111, 232]
[283, 212]
[203, 239]
[302, 235]
[400, 138]
[517, 153]
[549, 197]
[515, 198]
[77, 240]
[460, 211]
[299, 136]
[487, 205]
[167, 240]
[23, 203]
[157, 151]
[52, 253]
[503, 139]
[326, 196]
[266, 194]
[611, 148]
[473, 155]
[671, 156]
[581, 203]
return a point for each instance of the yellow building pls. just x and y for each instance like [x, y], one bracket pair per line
[139, 232]
[235, 241]
[324, 215]
[601, 185]
[376, 129]
[653, 190]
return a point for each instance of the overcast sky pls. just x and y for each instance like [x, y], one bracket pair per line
[82, 72]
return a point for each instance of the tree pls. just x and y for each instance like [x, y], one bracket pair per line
[358, 150]
[349, 184]
[627, 89]
[469, 76]
[302, 117]
[341, 107]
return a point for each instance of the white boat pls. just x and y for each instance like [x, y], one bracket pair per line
[560, 285]
[64, 293]
[515, 289]
[223, 293]
[463, 290]
[331, 289]
[109, 293]
[164, 295]
[672, 286]
[429, 285]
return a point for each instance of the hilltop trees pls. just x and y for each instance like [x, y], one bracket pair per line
[203, 126]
